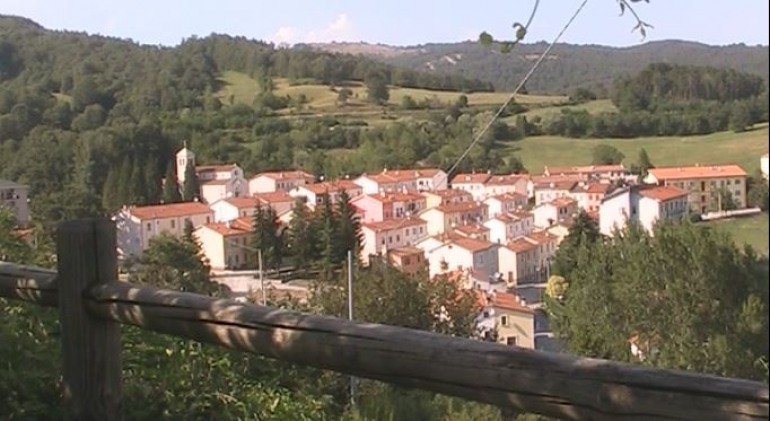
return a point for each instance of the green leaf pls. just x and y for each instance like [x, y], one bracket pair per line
[485, 38]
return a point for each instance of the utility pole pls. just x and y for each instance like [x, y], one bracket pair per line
[350, 317]
[261, 277]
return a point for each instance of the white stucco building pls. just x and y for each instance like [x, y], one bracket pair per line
[643, 204]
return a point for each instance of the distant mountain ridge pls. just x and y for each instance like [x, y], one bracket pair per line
[568, 67]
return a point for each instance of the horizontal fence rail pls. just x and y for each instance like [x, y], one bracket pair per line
[551, 384]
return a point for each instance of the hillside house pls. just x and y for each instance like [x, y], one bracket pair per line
[485, 185]
[595, 172]
[379, 237]
[764, 165]
[561, 209]
[393, 205]
[507, 226]
[274, 181]
[446, 197]
[417, 179]
[136, 226]
[450, 253]
[506, 202]
[548, 190]
[316, 194]
[226, 244]
[238, 207]
[706, 184]
[408, 259]
[644, 204]
[589, 195]
[473, 230]
[442, 218]
[14, 197]
[506, 317]
[527, 259]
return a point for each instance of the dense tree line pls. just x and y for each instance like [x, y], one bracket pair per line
[663, 83]
[574, 66]
[668, 100]
[672, 304]
[318, 239]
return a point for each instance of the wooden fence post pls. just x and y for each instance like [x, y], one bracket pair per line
[91, 361]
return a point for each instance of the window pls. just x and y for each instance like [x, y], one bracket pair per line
[173, 224]
[149, 227]
[504, 320]
[510, 341]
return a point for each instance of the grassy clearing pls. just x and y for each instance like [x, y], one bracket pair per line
[545, 112]
[751, 230]
[321, 98]
[238, 86]
[743, 149]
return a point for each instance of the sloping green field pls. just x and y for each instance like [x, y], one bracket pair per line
[743, 149]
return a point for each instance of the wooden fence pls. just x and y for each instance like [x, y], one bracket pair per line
[92, 305]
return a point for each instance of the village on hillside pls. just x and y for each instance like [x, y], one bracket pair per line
[495, 234]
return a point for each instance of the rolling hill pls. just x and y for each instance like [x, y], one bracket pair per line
[568, 67]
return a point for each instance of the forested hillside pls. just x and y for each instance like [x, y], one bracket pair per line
[567, 67]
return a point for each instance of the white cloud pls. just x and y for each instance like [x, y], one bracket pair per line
[340, 29]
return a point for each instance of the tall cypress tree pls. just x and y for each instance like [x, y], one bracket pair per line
[302, 236]
[111, 191]
[265, 237]
[137, 190]
[349, 235]
[152, 182]
[171, 192]
[328, 236]
[191, 187]
[124, 180]
[83, 200]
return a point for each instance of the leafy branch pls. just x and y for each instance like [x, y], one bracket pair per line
[521, 31]
[486, 39]
[641, 25]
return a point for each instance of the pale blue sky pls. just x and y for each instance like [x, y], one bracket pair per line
[398, 22]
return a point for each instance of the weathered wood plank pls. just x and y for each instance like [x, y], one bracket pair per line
[91, 365]
[549, 384]
[28, 283]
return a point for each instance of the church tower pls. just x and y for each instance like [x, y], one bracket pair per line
[182, 158]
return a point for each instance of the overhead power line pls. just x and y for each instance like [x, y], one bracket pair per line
[515, 92]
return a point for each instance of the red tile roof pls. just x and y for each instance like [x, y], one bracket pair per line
[521, 245]
[460, 207]
[332, 186]
[405, 175]
[286, 175]
[509, 197]
[471, 178]
[505, 180]
[238, 226]
[471, 244]
[563, 202]
[541, 237]
[405, 251]
[706, 171]
[470, 229]
[586, 169]
[662, 193]
[508, 301]
[397, 197]
[448, 193]
[242, 202]
[170, 210]
[274, 197]
[393, 224]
